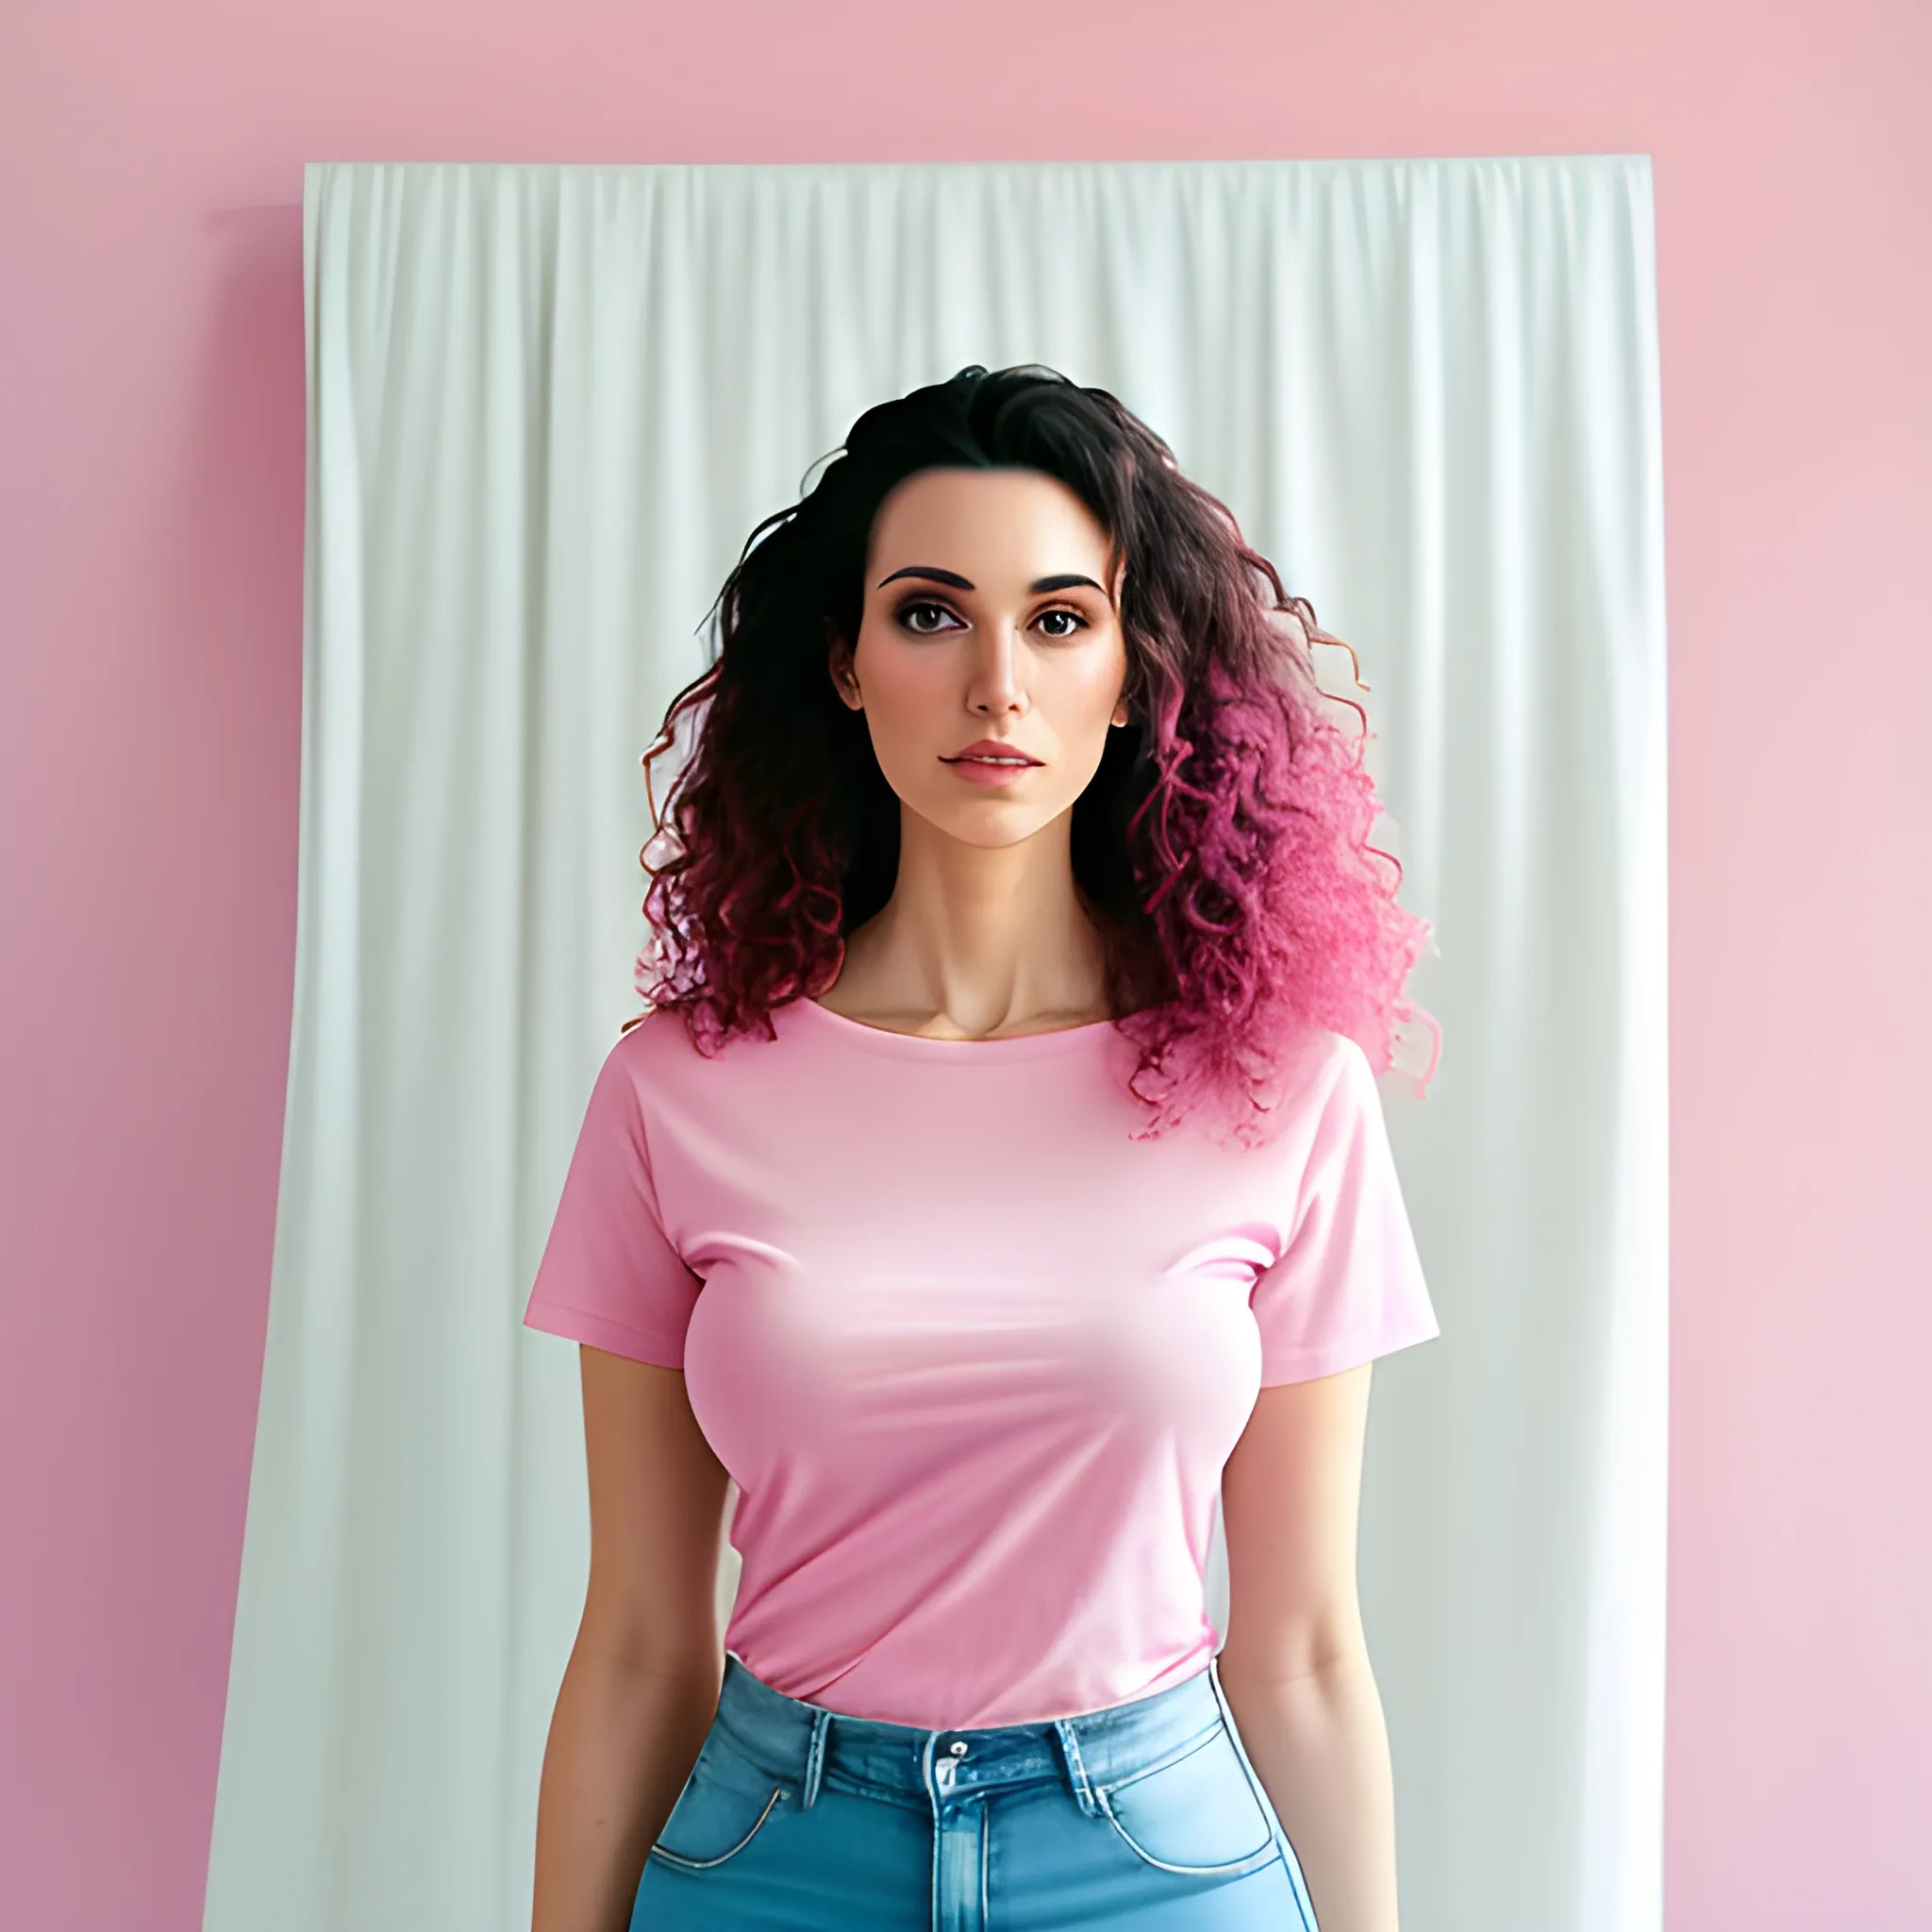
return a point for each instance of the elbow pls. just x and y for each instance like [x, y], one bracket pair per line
[1286, 1652]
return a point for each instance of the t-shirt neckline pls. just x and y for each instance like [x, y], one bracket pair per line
[1014, 1046]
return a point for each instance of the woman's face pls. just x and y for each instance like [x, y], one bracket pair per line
[990, 614]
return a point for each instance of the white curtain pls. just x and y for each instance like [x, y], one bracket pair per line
[546, 407]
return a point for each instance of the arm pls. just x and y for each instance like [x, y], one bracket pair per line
[1295, 1663]
[642, 1684]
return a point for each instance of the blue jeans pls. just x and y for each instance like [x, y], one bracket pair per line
[1147, 1817]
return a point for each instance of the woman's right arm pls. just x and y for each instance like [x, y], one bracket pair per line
[642, 1684]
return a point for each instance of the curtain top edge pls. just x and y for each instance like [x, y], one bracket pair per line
[1537, 164]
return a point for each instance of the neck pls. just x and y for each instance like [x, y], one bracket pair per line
[977, 939]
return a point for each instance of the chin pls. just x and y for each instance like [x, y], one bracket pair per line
[994, 823]
[995, 839]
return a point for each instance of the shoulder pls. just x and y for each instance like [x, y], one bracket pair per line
[656, 1055]
[1319, 1067]
[640, 1063]
[650, 1033]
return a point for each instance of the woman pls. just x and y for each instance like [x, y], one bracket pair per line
[997, 1173]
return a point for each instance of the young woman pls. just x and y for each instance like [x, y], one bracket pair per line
[997, 1176]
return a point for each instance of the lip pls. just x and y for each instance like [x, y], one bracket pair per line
[992, 748]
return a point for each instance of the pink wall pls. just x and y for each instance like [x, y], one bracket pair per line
[152, 451]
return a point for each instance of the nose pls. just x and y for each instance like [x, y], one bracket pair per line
[995, 689]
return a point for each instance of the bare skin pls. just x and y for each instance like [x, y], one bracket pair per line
[641, 1683]
[984, 937]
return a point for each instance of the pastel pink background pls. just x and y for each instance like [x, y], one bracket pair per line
[151, 389]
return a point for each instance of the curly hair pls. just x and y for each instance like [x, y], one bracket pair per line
[1221, 848]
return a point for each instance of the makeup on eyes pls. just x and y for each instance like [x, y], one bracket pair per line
[910, 604]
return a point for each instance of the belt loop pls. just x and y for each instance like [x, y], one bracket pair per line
[815, 1757]
[1076, 1769]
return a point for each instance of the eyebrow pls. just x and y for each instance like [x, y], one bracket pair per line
[1066, 581]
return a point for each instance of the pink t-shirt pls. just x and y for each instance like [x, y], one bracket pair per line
[974, 1357]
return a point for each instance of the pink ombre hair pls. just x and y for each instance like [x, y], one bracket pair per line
[1222, 848]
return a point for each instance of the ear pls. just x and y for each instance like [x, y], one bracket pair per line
[838, 662]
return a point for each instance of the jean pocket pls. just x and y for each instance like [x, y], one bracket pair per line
[725, 1802]
[1196, 1814]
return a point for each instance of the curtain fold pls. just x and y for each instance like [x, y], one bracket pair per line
[546, 405]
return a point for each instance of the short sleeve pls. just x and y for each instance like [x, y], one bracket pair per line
[1348, 1287]
[610, 1275]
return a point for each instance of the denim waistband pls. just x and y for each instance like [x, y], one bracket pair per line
[790, 1737]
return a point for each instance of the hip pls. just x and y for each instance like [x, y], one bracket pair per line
[1146, 1814]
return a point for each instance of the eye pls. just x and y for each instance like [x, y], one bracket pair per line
[1076, 623]
[908, 611]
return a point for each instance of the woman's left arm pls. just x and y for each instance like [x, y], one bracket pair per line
[1295, 1663]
